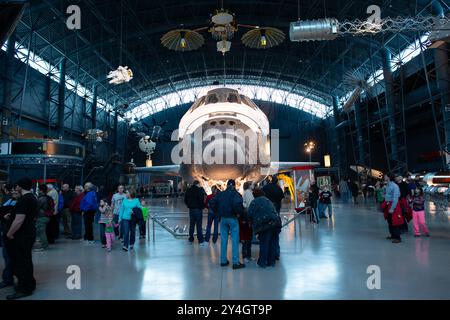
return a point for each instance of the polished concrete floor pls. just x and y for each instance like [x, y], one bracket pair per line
[325, 261]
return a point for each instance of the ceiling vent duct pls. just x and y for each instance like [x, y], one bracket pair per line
[314, 30]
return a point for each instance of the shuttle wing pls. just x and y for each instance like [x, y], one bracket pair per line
[171, 170]
[280, 167]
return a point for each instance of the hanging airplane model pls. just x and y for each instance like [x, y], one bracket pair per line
[230, 136]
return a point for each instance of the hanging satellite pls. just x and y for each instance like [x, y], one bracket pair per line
[355, 80]
[121, 75]
[263, 38]
[182, 40]
[223, 27]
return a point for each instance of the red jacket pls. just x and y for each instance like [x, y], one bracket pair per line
[75, 205]
[397, 216]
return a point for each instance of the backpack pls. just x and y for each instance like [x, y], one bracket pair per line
[50, 212]
[137, 214]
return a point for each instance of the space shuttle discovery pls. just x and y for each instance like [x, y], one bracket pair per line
[224, 135]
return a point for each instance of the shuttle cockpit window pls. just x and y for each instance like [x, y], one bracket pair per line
[212, 98]
[198, 103]
[248, 102]
[233, 98]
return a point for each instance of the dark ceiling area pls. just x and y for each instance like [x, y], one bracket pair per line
[128, 32]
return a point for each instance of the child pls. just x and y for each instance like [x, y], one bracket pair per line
[143, 223]
[109, 229]
[103, 208]
[417, 202]
[245, 237]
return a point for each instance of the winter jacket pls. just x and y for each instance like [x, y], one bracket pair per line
[263, 215]
[194, 198]
[89, 202]
[275, 194]
[76, 202]
[43, 205]
[68, 197]
[227, 204]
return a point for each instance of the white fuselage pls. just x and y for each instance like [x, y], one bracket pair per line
[230, 139]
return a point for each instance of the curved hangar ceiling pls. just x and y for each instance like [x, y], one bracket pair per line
[129, 33]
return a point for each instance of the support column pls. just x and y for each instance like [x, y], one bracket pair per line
[116, 131]
[335, 132]
[61, 97]
[443, 80]
[94, 109]
[7, 89]
[359, 134]
[390, 105]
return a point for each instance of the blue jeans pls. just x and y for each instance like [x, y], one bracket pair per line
[212, 218]
[116, 229]
[76, 225]
[102, 233]
[7, 275]
[229, 225]
[128, 232]
[195, 220]
[324, 207]
[267, 247]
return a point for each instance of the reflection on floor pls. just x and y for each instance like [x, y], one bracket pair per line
[325, 261]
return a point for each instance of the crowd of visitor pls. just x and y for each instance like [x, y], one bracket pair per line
[32, 220]
[256, 212]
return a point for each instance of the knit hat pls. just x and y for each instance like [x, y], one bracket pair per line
[25, 183]
[231, 183]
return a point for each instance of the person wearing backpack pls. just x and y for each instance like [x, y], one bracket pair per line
[46, 209]
[267, 225]
[128, 221]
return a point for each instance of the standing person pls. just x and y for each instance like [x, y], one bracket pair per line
[89, 206]
[267, 224]
[45, 211]
[212, 217]
[7, 210]
[354, 190]
[392, 211]
[53, 225]
[126, 221]
[417, 202]
[325, 200]
[379, 192]
[194, 198]
[116, 203]
[274, 193]
[404, 193]
[77, 216]
[228, 204]
[68, 196]
[245, 229]
[344, 191]
[313, 199]
[103, 208]
[109, 229]
[143, 224]
[21, 237]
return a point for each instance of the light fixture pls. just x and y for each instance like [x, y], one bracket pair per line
[263, 41]
[149, 163]
[327, 161]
